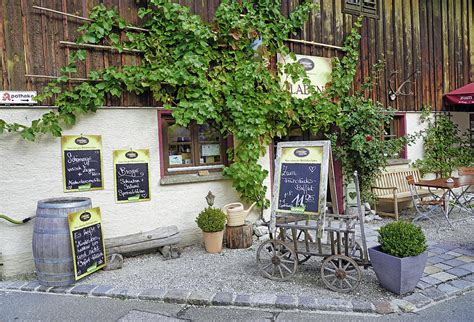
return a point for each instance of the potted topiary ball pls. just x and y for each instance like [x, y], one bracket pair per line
[400, 259]
[212, 223]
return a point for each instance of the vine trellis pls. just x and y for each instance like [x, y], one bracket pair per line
[209, 72]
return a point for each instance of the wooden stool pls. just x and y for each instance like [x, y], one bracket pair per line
[238, 237]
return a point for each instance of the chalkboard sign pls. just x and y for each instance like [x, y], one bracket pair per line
[82, 163]
[87, 241]
[302, 171]
[131, 175]
[299, 187]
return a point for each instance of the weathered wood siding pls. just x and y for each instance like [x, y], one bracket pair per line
[433, 37]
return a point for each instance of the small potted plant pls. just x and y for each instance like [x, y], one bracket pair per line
[400, 259]
[212, 223]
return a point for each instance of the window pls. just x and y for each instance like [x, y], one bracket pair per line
[367, 8]
[395, 129]
[188, 150]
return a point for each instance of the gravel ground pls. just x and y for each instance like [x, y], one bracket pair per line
[232, 271]
[236, 270]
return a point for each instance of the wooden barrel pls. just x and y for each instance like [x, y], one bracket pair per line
[51, 242]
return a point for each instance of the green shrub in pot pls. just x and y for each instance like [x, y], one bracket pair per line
[402, 239]
[400, 259]
[211, 220]
[212, 223]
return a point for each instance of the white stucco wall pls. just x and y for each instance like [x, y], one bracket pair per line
[413, 124]
[461, 119]
[31, 171]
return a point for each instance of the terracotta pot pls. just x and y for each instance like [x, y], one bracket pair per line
[213, 241]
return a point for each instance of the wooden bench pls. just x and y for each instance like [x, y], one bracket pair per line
[392, 187]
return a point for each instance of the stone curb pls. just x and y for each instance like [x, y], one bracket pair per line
[410, 303]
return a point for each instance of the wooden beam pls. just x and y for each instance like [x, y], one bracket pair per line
[83, 18]
[100, 47]
[72, 79]
[314, 43]
[139, 242]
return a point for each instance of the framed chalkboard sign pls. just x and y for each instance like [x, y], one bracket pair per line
[132, 182]
[87, 241]
[302, 171]
[82, 163]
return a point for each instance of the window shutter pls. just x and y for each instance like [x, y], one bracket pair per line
[353, 5]
[369, 6]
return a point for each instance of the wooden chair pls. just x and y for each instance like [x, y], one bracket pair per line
[467, 196]
[425, 208]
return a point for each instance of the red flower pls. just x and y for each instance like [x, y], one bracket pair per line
[368, 138]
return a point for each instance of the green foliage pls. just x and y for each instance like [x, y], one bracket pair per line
[402, 239]
[359, 141]
[212, 72]
[445, 147]
[211, 220]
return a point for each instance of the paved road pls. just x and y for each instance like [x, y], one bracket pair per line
[51, 307]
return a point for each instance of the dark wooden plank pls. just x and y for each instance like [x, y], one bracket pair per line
[465, 41]
[316, 32]
[445, 39]
[95, 58]
[416, 45]
[458, 44]
[452, 47]
[372, 52]
[471, 38]
[338, 23]
[398, 51]
[425, 66]
[327, 32]
[56, 32]
[35, 45]
[3, 51]
[407, 56]
[389, 28]
[15, 54]
[431, 91]
[112, 58]
[380, 48]
[364, 53]
[25, 38]
[437, 53]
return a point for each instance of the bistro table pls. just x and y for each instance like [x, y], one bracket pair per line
[448, 188]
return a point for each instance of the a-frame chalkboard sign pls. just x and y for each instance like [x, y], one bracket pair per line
[302, 172]
[87, 241]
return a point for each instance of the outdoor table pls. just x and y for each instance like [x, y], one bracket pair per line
[448, 187]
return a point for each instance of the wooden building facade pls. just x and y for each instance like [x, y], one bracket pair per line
[430, 40]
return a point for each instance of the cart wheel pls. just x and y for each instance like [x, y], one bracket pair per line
[276, 260]
[340, 273]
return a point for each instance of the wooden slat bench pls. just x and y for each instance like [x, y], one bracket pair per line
[392, 187]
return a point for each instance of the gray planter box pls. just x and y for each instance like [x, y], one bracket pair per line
[398, 275]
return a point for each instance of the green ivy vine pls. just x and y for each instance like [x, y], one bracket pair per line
[211, 72]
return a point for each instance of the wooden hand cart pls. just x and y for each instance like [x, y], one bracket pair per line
[299, 237]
